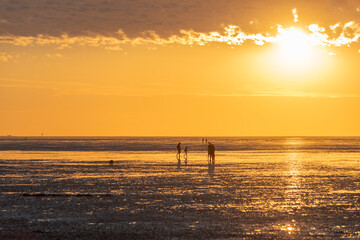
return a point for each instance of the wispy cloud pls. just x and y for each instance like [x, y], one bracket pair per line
[4, 57]
[55, 55]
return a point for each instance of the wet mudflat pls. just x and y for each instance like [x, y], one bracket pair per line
[144, 195]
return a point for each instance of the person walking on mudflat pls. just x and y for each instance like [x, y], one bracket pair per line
[211, 154]
[185, 154]
[179, 151]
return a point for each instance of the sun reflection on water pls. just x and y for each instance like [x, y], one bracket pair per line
[293, 194]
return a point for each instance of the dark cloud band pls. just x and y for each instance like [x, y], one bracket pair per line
[166, 17]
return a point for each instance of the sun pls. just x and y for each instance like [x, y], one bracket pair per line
[294, 49]
[295, 57]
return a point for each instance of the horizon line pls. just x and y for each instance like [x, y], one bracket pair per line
[193, 136]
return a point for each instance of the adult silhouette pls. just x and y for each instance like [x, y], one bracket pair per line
[179, 151]
[211, 153]
[185, 154]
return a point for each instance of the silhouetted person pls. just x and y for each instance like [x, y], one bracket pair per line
[203, 141]
[211, 153]
[179, 147]
[111, 162]
[206, 140]
[179, 150]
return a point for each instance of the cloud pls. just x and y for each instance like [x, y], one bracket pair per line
[166, 17]
[348, 34]
[231, 36]
[4, 57]
[55, 55]
[333, 36]
[55, 17]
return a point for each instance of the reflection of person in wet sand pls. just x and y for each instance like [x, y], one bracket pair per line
[185, 154]
[209, 150]
[213, 153]
[211, 170]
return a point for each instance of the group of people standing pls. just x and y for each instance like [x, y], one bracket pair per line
[211, 153]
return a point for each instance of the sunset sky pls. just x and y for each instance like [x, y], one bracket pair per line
[189, 68]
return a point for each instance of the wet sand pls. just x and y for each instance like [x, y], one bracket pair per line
[249, 195]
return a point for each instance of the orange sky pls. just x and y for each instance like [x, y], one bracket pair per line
[293, 74]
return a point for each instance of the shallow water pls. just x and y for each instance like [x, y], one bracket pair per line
[263, 188]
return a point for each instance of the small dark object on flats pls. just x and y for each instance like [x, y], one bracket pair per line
[111, 162]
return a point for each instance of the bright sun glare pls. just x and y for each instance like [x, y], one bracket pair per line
[295, 48]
